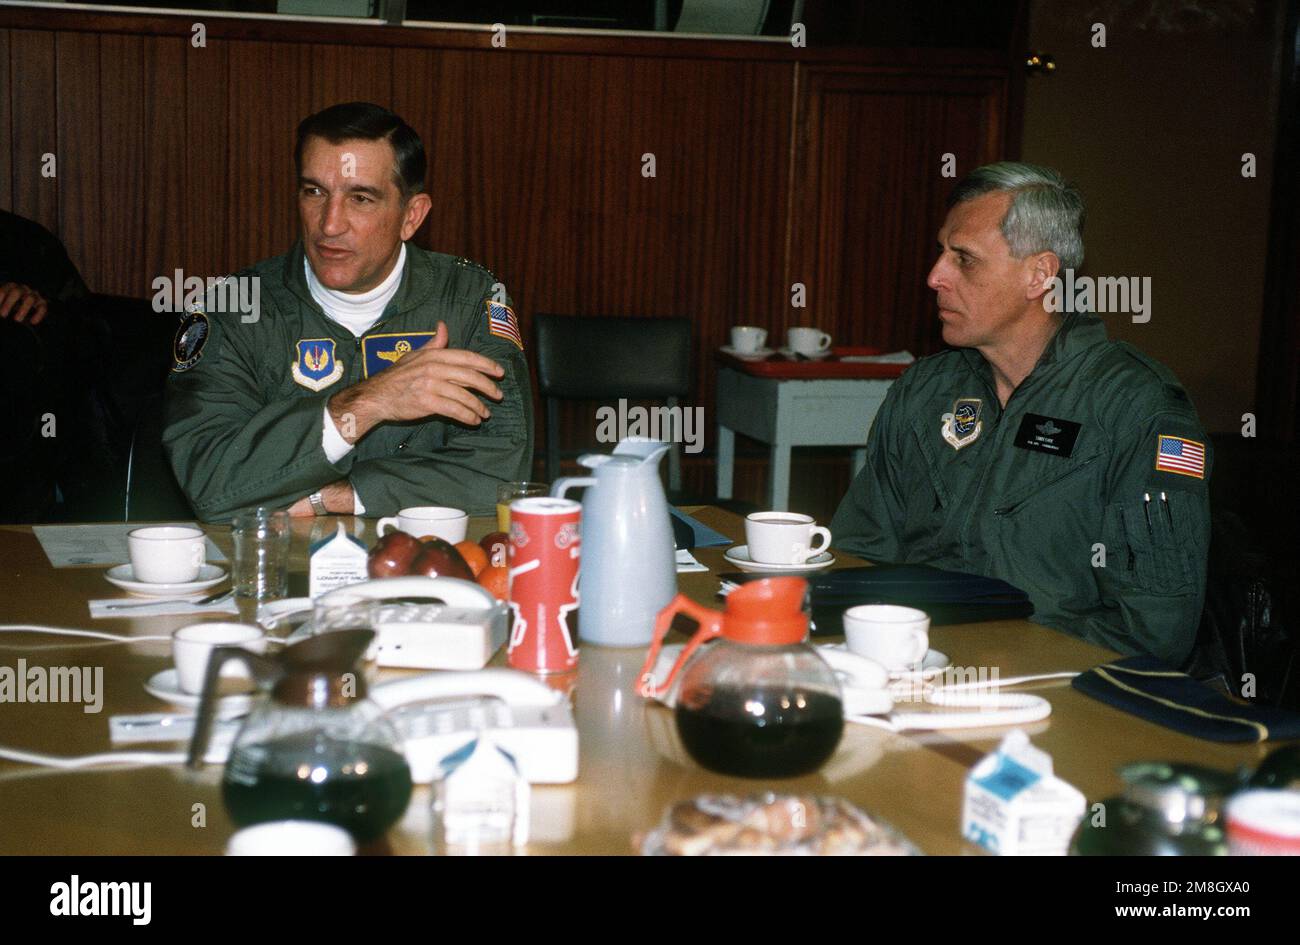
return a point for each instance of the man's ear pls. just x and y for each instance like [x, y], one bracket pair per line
[1040, 269]
[417, 208]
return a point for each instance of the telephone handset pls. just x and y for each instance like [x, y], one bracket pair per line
[458, 626]
[436, 713]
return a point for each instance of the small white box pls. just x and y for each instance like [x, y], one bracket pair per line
[1015, 806]
[336, 562]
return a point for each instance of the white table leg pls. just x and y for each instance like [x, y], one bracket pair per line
[780, 491]
[726, 461]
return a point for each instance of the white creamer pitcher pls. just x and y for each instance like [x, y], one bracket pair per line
[628, 571]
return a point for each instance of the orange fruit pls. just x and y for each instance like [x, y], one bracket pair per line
[497, 581]
[474, 556]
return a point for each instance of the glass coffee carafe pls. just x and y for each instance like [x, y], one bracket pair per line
[753, 698]
[316, 748]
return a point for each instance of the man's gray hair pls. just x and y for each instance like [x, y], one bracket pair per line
[1046, 212]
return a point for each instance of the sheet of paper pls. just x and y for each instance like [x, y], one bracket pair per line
[686, 562]
[74, 546]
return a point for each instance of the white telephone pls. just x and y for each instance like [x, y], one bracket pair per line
[462, 631]
[435, 714]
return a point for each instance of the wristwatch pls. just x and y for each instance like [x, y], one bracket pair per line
[317, 504]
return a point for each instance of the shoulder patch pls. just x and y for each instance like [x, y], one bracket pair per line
[1176, 454]
[191, 336]
[502, 323]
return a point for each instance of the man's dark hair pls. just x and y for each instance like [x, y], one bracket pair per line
[368, 122]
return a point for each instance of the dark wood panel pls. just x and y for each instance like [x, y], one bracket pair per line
[350, 74]
[870, 195]
[80, 161]
[261, 216]
[6, 188]
[122, 146]
[164, 163]
[208, 146]
[33, 126]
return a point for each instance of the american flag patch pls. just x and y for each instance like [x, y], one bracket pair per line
[502, 323]
[1176, 455]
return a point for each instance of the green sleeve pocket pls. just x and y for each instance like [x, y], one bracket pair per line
[1147, 548]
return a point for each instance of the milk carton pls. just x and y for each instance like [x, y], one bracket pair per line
[1015, 806]
[336, 562]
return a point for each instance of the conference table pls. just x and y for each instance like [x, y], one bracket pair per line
[631, 766]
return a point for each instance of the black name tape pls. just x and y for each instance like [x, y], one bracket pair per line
[1047, 435]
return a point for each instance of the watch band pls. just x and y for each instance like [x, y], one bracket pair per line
[317, 504]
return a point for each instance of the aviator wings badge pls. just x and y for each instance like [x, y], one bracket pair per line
[962, 427]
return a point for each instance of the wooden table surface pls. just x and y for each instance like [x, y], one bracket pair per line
[631, 765]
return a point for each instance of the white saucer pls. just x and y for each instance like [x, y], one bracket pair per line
[932, 664]
[759, 355]
[165, 686]
[817, 356]
[739, 556]
[124, 577]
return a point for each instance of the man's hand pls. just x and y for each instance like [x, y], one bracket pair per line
[433, 381]
[23, 303]
[337, 497]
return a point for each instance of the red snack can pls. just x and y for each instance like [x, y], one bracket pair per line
[545, 545]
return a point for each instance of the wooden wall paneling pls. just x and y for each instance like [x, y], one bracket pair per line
[80, 158]
[261, 210]
[6, 157]
[167, 213]
[870, 194]
[205, 240]
[122, 171]
[349, 74]
[33, 125]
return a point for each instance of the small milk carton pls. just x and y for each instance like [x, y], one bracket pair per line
[480, 800]
[1015, 806]
[335, 562]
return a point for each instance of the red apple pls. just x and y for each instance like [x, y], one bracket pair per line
[392, 555]
[440, 559]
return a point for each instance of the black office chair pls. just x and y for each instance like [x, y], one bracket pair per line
[608, 358]
[1247, 624]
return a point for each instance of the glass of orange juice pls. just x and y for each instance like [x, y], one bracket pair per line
[507, 492]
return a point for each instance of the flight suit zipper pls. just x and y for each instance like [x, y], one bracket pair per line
[1016, 506]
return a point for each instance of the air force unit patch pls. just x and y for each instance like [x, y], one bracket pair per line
[962, 427]
[316, 366]
[190, 339]
[379, 351]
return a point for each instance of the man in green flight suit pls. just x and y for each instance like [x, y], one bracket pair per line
[357, 374]
[1038, 451]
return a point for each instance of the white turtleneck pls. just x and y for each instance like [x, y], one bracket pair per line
[357, 312]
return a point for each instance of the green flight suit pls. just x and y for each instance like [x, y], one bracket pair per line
[244, 416]
[1073, 531]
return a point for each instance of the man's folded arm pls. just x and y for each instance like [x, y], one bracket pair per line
[230, 450]
[869, 519]
[464, 471]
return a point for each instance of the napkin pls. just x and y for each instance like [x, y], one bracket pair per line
[100, 608]
[686, 562]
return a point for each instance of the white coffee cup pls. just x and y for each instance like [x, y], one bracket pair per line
[807, 340]
[291, 838]
[166, 554]
[193, 644]
[784, 537]
[896, 637]
[425, 521]
[746, 339]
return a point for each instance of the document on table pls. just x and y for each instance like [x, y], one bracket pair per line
[894, 357]
[72, 546]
